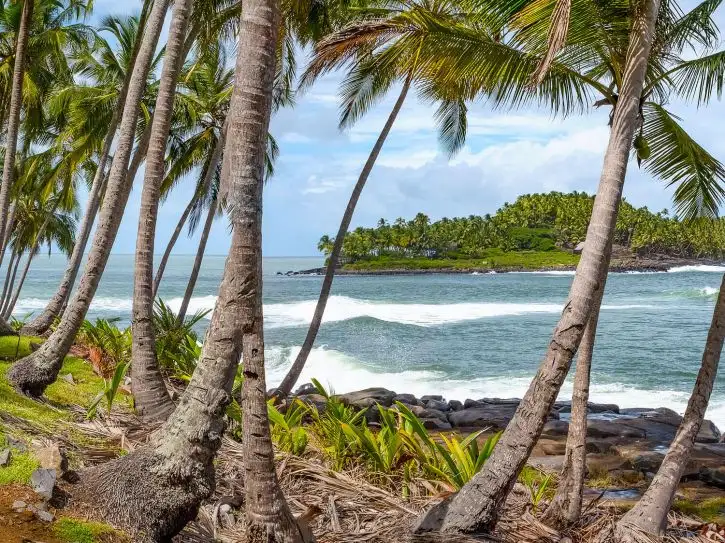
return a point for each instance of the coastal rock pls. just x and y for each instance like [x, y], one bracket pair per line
[495, 417]
[439, 405]
[436, 424]
[469, 403]
[713, 476]
[369, 397]
[425, 413]
[4, 457]
[502, 401]
[305, 389]
[709, 433]
[430, 397]
[556, 428]
[317, 401]
[42, 481]
[407, 399]
[565, 407]
[455, 405]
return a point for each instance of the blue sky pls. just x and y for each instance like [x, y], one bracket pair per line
[506, 154]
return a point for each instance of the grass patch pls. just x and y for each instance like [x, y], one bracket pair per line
[710, 510]
[9, 346]
[491, 259]
[80, 531]
[20, 467]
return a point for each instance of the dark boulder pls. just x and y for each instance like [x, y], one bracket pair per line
[362, 399]
[407, 399]
[439, 405]
[495, 417]
[455, 405]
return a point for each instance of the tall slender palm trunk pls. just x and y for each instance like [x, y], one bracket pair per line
[10, 278]
[650, 513]
[13, 125]
[476, 507]
[35, 372]
[151, 398]
[181, 315]
[566, 506]
[156, 489]
[58, 302]
[211, 168]
[16, 104]
[8, 229]
[285, 387]
[14, 299]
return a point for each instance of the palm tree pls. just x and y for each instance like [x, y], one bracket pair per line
[475, 508]
[109, 69]
[176, 467]
[16, 99]
[371, 74]
[11, 139]
[152, 400]
[35, 372]
[649, 515]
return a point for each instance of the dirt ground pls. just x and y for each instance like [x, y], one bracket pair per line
[21, 527]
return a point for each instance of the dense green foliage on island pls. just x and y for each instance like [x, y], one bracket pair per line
[536, 230]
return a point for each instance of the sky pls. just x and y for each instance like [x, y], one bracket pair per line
[507, 153]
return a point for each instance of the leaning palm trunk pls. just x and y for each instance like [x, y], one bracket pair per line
[10, 223]
[58, 302]
[13, 125]
[197, 263]
[156, 489]
[476, 507]
[151, 398]
[294, 372]
[649, 516]
[54, 309]
[35, 372]
[16, 104]
[211, 168]
[14, 300]
[566, 506]
[10, 278]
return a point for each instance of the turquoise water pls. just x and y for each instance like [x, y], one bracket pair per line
[464, 336]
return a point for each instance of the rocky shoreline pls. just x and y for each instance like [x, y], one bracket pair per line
[622, 263]
[627, 443]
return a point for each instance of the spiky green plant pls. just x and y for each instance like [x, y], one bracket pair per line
[287, 430]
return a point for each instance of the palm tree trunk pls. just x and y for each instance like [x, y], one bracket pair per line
[156, 489]
[294, 372]
[206, 183]
[44, 321]
[8, 230]
[35, 372]
[16, 104]
[151, 398]
[475, 508]
[11, 305]
[566, 506]
[58, 302]
[197, 263]
[11, 285]
[650, 513]
[8, 274]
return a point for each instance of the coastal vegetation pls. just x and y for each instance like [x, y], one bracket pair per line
[146, 428]
[535, 231]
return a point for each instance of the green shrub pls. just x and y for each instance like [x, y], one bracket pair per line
[177, 344]
[287, 430]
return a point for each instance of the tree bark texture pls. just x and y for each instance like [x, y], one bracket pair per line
[476, 507]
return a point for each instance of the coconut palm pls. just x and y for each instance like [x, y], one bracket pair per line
[92, 117]
[151, 398]
[363, 47]
[177, 464]
[11, 139]
[475, 508]
[35, 372]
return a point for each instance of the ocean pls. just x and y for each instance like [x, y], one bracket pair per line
[462, 336]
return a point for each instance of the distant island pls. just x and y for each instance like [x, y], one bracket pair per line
[536, 232]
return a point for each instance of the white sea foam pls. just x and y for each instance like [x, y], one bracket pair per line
[699, 268]
[344, 373]
[708, 291]
[550, 272]
[342, 308]
[101, 303]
